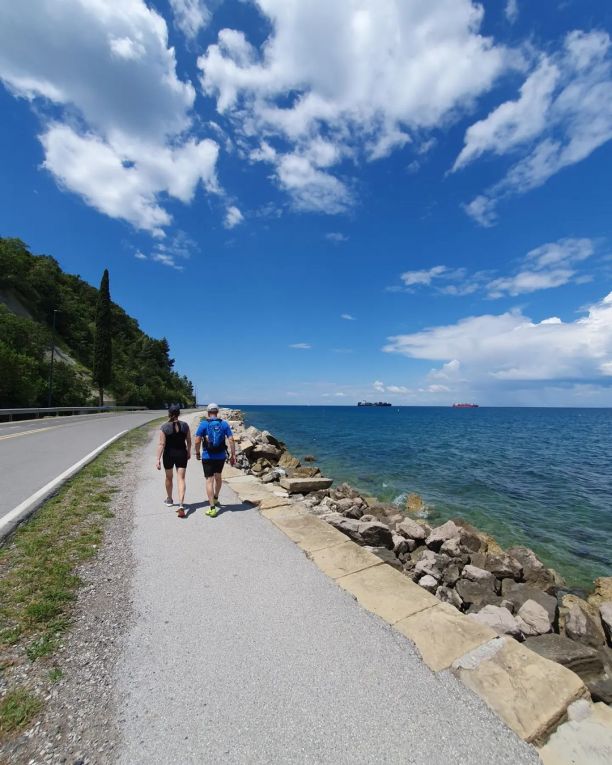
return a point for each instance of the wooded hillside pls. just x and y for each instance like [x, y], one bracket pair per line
[142, 370]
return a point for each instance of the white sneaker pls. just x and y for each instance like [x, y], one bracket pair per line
[168, 502]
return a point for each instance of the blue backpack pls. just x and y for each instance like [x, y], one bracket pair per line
[215, 437]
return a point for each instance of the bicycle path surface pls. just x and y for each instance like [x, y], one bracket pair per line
[242, 651]
[34, 452]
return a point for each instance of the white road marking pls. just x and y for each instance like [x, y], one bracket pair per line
[19, 513]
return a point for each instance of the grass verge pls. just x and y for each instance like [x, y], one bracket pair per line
[38, 583]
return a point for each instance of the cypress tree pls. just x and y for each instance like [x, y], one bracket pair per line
[102, 373]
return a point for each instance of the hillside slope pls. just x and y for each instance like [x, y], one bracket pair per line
[31, 286]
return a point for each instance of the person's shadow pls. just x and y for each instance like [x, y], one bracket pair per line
[234, 508]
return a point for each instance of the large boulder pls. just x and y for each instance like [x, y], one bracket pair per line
[520, 593]
[602, 591]
[288, 461]
[476, 594]
[414, 503]
[605, 614]
[412, 530]
[533, 619]
[451, 575]
[266, 451]
[246, 445]
[499, 619]
[429, 563]
[347, 526]
[268, 438]
[475, 574]
[441, 534]
[305, 472]
[503, 566]
[400, 545]
[305, 485]
[580, 621]
[429, 583]
[584, 661]
[450, 596]
[534, 571]
[376, 534]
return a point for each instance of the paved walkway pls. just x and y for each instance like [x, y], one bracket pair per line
[242, 651]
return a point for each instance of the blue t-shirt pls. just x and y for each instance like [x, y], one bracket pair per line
[203, 430]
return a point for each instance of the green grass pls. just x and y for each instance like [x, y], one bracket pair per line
[38, 583]
[17, 709]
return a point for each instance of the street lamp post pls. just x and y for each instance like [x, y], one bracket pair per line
[50, 397]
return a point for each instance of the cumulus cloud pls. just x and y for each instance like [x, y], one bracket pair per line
[562, 115]
[233, 217]
[380, 387]
[510, 347]
[347, 80]
[190, 16]
[121, 137]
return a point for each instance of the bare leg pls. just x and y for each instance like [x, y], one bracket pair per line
[218, 483]
[210, 490]
[181, 484]
[169, 483]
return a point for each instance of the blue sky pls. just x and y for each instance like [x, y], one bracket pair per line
[325, 202]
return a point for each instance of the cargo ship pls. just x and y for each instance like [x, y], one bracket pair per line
[465, 406]
[374, 403]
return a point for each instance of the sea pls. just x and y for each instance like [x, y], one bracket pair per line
[528, 476]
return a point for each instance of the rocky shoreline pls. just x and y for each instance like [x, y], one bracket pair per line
[511, 591]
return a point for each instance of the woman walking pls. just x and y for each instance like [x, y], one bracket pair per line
[175, 448]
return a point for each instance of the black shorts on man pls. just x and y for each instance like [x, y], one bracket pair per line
[212, 467]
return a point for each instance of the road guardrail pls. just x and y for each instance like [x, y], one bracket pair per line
[34, 412]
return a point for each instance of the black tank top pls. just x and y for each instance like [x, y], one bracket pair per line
[176, 436]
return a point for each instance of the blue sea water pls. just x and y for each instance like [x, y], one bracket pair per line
[539, 477]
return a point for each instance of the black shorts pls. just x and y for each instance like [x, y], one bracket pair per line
[175, 459]
[212, 467]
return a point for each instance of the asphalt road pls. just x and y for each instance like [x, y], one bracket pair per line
[34, 452]
[242, 651]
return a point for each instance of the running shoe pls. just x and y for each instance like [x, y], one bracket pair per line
[217, 502]
[181, 512]
[168, 502]
[212, 511]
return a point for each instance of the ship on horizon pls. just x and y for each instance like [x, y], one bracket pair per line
[373, 403]
[466, 406]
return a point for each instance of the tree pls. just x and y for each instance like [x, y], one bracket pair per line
[102, 362]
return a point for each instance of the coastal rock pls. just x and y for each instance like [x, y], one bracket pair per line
[309, 458]
[267, 451]
[305, 472]
[534, 571]
[602, 591]
[414, 503]
[412, 530]
[451, 575]
[427, 564]
[354, 512]
[605, 614]
[448, 595]
[579, 621]
[476, 594]
[508, 604]
[520, 593]
[305, 485]
[475, 574]
[452, 547]
[441, 534]
[533, 619]
[584, 661]
[400, 545]
[268, 438]
[376, 534]
[498, 619]
[388, 556]
[288, 461]
[344, 504]
[246, 445]
[503, 566]
[428, 583]
[252, 433]
[270, 477]
[345, 525]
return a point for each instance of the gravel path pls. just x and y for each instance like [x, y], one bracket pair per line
[241, 651]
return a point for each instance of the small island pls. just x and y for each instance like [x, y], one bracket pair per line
[373, 403]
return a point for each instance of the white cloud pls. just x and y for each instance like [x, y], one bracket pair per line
[121, 138]
[422, 277]
[340, 394]
[347, 80]
[347, 317]
[301, 346]
[437, 276]
[550, 265]
[380, 387]
[510, 347]
[140, 255]
[512, 10]
[563, 114]
[170, 251]
[335, 236]
[190, 16]
[233, 217]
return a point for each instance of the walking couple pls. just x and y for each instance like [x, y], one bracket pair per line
[212, 438]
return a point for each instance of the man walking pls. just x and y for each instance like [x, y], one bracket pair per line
[214, 435]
